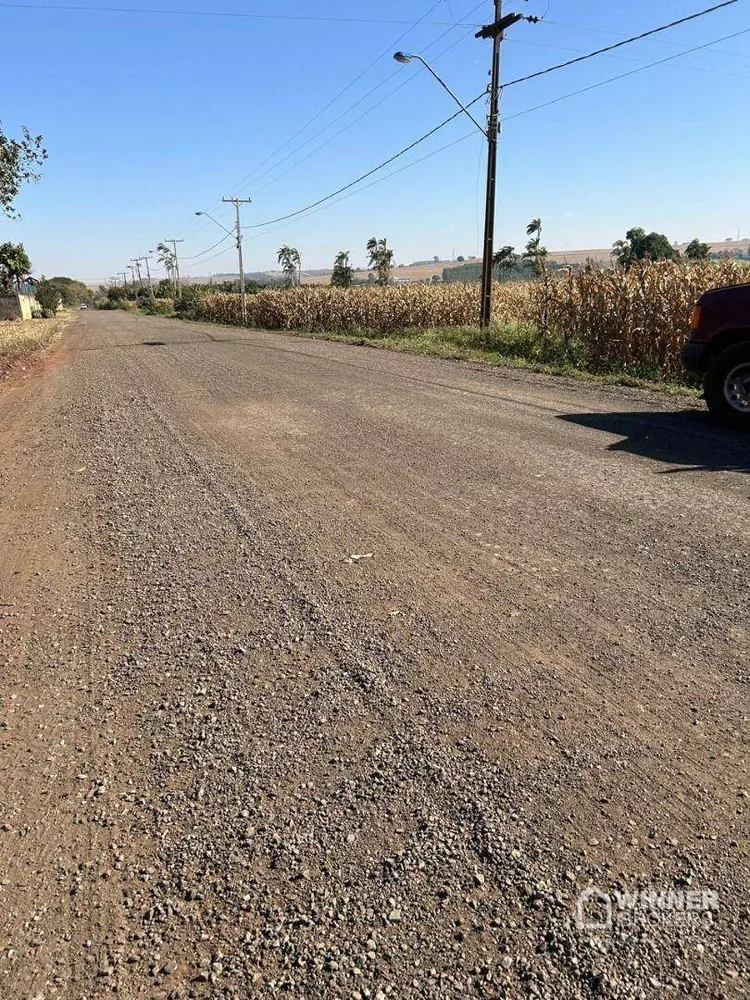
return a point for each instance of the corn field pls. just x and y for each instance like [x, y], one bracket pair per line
[631, 318]
[381, 311]
[616, 317]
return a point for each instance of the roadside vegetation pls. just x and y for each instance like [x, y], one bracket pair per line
[21, 338]
[627, 322]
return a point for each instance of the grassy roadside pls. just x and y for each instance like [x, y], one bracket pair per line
[515, 346]
[510, 346]
[21, 338]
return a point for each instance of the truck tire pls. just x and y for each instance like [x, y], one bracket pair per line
[728, 386]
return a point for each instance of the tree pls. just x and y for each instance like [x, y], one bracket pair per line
[505, 260]
[19, 159]
[380, 258]
[49, 298]
[291, 264]
[695, 250]
[168, 261]
[72, 292]
[638, 245]
[343, 272]
[14, 266]
[535, 254]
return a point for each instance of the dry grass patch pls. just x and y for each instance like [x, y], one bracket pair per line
[20, 338]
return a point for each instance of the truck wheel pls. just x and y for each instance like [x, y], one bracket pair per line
[728, 386]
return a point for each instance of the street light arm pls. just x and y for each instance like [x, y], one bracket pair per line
[227, 231]
[403, 57]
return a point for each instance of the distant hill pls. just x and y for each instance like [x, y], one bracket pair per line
[426, 270]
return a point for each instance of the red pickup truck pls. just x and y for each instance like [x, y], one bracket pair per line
[719, 348]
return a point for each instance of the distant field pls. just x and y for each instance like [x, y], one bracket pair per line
[424, 272]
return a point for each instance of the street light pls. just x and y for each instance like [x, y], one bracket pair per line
[217, 222]
[496, 32]
[407, 57]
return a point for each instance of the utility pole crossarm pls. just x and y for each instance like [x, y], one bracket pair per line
[493, 30]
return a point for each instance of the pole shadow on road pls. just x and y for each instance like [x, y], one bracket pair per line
[687, 438]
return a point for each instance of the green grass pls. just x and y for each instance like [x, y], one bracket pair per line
[514, 346]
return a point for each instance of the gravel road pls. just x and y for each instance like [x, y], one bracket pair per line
[333, 672]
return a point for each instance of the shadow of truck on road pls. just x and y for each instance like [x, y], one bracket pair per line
[688, 438]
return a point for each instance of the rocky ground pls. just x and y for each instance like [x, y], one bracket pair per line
[335, 673]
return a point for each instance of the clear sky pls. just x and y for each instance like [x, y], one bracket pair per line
[151, 116]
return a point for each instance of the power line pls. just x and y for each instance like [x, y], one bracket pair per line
[350, 124]
[625, 41]
[222, 240]
[379, 180]
[520, 114]
[319, 114]
[340, 94]
[356, 104]
[374, 170]
[511, 83]
[200, 263]
[551, 69]
[94, 9]
[632, 72]
[698, 69]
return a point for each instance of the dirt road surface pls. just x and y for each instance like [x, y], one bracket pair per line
[331, 672]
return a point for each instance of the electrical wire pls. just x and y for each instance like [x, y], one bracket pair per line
[94, 9]
[387, 52]
[340, 94]
[531, 76]
[192, 256]
[379, 180]
[620, 44]
[349, 125]
[511, 83]
[319, 206]
[623, 76]
[333, 101]
[631, 59]
[347, 187]
[200, 263]
[369, 173]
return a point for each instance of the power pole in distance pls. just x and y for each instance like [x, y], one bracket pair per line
[237, 202]
[176, 262]
[495, 32]
[137, 262]
[124, 276]
[148, 272]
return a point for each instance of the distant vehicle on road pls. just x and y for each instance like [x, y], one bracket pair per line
[719, 348]
[84, 305]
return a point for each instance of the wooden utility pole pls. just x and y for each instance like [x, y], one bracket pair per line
[176, 262]
[137, 262]
[495, 32]
[238, 228]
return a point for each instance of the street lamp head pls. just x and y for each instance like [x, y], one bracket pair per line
[402, 57]
[199, 213]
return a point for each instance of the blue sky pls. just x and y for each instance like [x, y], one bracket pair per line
[148, 117]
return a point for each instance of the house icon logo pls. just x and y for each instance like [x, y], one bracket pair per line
[594, 910]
